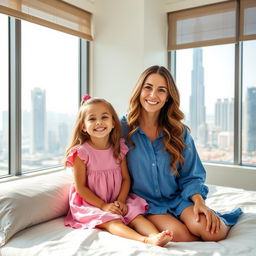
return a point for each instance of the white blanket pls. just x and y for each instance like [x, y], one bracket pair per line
[52, 238]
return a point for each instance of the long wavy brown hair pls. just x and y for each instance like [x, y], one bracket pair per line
[79, 136]
[169, 120]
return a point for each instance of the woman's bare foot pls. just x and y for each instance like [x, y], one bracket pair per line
[160, 239]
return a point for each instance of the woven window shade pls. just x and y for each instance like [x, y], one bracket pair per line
[54, 14]
[203, 26]
[247, 20]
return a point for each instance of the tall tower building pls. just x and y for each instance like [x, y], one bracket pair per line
[251, 124]
[197, 104]
[231, 115]
[63, 136]
[217, 115]
[224, 114]
[38, 120]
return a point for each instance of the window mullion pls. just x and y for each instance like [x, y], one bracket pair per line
[172, 63]
[83, 68]
[238, 105]
[15, 96]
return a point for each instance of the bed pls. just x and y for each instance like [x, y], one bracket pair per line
[32, 210]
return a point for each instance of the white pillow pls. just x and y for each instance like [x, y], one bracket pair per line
[29, 201]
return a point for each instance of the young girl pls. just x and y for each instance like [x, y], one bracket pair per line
[99, 197]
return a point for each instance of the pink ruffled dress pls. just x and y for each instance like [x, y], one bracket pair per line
[104, 179]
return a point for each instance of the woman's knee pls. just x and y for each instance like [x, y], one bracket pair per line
[199, 229]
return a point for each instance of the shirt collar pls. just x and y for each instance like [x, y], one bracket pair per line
[160, 135]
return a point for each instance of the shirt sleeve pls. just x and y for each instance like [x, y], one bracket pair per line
[77, 151]
[123, 148]
[192, 173]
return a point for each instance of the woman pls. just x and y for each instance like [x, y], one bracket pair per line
[164, 165]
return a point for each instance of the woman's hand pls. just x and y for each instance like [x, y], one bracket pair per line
[122, 206]
[112, 208]
[212, 220]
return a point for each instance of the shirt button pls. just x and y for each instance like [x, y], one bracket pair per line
[157, 190]
[153, 164]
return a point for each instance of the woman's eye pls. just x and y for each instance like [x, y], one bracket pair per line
[105, 117]
[91, 119]
[162, 90]
[147, 87]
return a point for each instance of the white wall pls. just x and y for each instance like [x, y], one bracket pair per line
[128, 37]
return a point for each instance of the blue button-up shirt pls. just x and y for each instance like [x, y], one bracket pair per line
[152, 178]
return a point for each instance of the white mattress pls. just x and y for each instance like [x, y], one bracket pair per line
[53, 238]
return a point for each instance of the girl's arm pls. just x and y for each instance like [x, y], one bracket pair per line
[79, 172]
[126, 182]
[125, 187]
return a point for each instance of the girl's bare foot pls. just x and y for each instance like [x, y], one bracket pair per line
[160, 239]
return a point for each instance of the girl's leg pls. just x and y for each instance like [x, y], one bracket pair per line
[117, 227]
[177, 228]
[143, 226]
[199, 228]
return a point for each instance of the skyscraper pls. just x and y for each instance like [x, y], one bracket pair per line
[251, 124]
[38, 120]
[224, 122]
[197, 104]
[224, 114]
[63, 136]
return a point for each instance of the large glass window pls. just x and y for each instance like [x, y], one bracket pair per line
[205, 78]
[249, 103]
[4, 170]
[50, 70]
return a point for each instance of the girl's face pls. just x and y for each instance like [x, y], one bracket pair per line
[154, 93]
[98, 121]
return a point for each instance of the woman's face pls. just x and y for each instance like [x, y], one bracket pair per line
[154, 93]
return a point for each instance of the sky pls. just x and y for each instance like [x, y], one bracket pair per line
[218, 63]
[49, 61]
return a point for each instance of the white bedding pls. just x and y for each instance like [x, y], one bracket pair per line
[52, 238]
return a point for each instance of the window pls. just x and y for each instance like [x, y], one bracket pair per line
[249, 103]
[4, 129]
[49, 94]
[45, 70]
[207, 98]
[213, 58]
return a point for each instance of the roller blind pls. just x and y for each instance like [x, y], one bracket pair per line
[247, 20]
[208, 25]
[54, 14]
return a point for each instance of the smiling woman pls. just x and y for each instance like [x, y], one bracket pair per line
[154, 93]
[165, 168]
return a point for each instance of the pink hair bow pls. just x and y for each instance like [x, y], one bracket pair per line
[86, 97]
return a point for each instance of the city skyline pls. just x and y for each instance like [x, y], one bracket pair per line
[215, 137]
[45, 135]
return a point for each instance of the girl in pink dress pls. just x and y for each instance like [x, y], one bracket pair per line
[99, 197]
